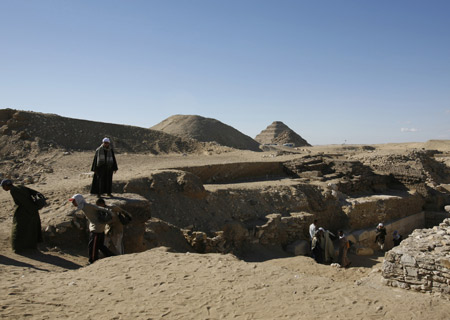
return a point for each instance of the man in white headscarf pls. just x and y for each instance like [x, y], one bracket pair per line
[380, 235]
[97, 222]
[104, 166]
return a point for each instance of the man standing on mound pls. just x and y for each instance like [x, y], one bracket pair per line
[96, 226]
[104, 165]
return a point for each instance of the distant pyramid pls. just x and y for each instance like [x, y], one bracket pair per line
[206, 130]
[280, 133]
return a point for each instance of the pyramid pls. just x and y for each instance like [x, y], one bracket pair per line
[206, 130]
[279, 133]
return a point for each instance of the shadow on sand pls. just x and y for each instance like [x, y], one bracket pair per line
[258, 253]
[12, 262]
[41, 257]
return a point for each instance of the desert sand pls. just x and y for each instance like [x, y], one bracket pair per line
[55, 283]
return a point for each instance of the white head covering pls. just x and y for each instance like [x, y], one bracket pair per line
[106, 140]
[80, 200]
[380, 224]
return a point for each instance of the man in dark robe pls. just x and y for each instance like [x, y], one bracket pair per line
[317, 245]
[26, 227]
[104, 165]
[396, 238]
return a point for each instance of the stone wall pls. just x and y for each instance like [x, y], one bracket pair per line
[371, 210]
[232, 172]
[365, 238]
[421, 262]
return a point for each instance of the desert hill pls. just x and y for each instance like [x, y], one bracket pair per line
[279, 133]
[206, 130]
[23, 131]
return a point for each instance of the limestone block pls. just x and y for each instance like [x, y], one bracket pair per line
[412, 272]
[364, 235]
[408, 260]
[447, 208]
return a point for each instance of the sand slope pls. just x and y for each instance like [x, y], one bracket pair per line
[157, 284]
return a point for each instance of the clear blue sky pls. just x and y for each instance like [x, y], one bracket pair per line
[333, 71]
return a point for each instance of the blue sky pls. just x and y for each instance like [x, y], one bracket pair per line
[351, 71]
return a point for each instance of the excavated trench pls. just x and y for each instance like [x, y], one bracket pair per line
[235, 207]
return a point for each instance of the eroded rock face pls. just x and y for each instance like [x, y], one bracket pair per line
[72, 230]
[83, 135]
[421, 262]
[342, 194]
[160, 233]
[180, 199]
[371, 210]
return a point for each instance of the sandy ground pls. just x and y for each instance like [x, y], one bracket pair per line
[157, 284]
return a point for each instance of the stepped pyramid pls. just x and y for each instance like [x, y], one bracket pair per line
[279, 133]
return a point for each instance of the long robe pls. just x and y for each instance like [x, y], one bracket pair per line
[343, 248]
[328, 247]
[103, 173]
[114, 232]
[26, 227]
[317, 251]
[380, 236]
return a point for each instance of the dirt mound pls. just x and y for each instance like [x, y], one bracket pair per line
[441, 145]
[206, 130]
[24, 133]
[279, 133]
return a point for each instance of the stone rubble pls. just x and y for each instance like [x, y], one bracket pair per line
[421, 262]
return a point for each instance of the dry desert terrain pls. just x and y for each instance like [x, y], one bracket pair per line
[57, 283]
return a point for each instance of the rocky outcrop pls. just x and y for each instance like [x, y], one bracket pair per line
[421, 262]
[235, 236]
[180, 198]
[24, 131]
[69, 228]
[279, 133]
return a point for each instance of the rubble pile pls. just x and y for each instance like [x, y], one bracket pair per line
[421, 262]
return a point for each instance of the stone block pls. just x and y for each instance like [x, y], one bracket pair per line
[408, 260]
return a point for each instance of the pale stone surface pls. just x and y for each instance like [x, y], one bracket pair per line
[422, 261]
